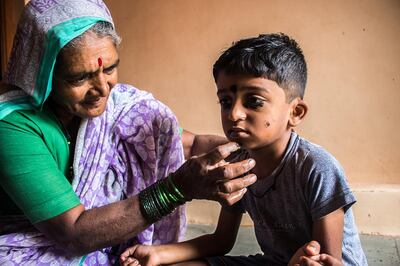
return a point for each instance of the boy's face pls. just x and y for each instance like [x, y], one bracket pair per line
[254, 111]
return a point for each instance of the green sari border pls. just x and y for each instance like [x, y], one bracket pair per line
[82, 260]
[13, 105]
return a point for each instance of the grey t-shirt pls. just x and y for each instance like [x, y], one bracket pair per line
[308, 184]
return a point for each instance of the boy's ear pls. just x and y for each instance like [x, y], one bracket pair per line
[299, 111]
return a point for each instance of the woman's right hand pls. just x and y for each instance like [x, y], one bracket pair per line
[208, 177]
[82, 231]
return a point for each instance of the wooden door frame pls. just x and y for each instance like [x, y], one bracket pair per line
[10, 11]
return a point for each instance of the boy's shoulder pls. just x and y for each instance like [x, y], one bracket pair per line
[313, 157]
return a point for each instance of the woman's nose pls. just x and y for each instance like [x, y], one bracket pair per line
[100, 84]
[237, 112]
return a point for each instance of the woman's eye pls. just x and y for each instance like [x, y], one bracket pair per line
[109, 70]
[77, 80]
[254, 102]
[225, 103]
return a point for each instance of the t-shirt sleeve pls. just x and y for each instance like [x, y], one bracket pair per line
[30, 175]
[326, 186]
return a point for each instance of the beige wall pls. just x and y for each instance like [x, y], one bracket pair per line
[352, 49]
[353, 54]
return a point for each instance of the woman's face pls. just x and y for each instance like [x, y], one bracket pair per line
[84, 77]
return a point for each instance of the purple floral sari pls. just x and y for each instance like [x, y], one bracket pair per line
[134, 143]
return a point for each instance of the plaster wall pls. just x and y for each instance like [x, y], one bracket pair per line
[353, 55]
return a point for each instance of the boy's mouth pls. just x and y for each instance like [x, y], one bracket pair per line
[237, 132]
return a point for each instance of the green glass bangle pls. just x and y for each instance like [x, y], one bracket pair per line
[171, 196]
[153, 209]
[157, 205]
[145, 207]
[148, 206]
[160, 199]
[166, 193]
[178, 194]
[167, 208]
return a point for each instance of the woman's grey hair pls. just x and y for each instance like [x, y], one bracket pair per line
[101, 29]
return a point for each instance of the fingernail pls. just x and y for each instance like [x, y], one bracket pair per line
[233, 147]
[251, 179]
[314, 248]
[236, 146]
[251, 163]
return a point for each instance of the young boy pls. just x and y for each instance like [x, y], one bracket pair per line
[301, 193]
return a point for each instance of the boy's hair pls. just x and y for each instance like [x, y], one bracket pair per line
[273, 56]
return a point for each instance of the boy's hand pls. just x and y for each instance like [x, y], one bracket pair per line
[310, 250]
[322, 259]
[308, 255]
[139, 255]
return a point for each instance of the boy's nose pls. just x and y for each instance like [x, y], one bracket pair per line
[237, 113]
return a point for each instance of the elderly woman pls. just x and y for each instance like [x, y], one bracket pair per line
[86, 170]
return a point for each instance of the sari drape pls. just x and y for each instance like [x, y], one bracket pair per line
[134, 143]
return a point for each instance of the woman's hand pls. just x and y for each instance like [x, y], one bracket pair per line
[139, 255]
[196, 145]
[208, 177]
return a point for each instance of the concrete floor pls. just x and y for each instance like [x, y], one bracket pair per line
[380, 250]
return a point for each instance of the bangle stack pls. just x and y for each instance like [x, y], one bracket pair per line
[160, 199]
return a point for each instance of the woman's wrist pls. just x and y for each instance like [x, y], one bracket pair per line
[160, 199]
[182, 183]
[179, 186]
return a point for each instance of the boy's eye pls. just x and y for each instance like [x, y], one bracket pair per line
[253, 102]
[225, 103]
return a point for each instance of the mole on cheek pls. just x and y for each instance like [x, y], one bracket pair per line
[267, 124]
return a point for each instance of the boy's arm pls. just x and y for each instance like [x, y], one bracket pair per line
[328, 231]
[199, 144]
[218, 243]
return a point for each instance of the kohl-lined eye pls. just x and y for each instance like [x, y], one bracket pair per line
[225, 103]
[253, 102]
